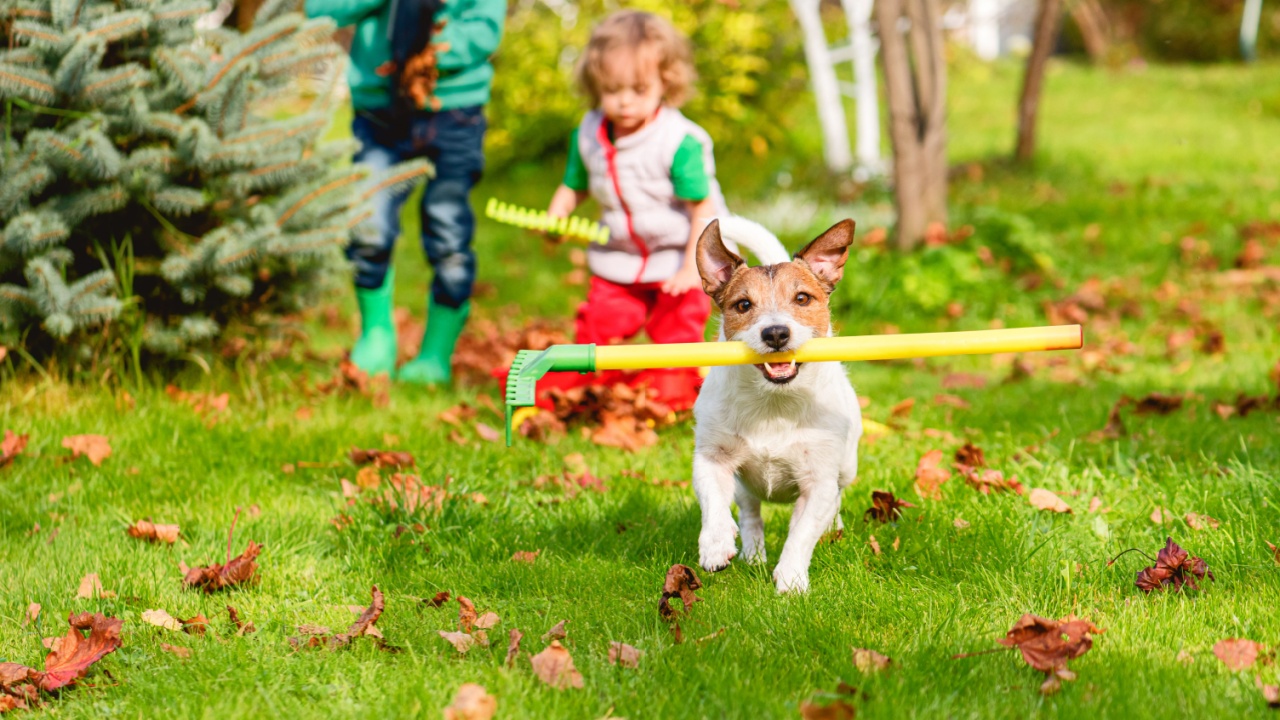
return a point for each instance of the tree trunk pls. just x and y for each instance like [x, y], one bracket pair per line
[916, 91]
[1033, 81]
[1092, 22]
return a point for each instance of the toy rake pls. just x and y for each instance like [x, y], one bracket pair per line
[530, 365]
[574, 228]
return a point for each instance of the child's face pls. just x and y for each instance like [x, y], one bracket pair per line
[631, 92]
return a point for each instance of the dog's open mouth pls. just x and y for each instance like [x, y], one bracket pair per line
[780, 373]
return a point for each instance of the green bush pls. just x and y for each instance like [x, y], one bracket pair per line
[158, 187]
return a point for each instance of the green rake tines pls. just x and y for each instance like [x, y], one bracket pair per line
[575, 228]
[530, 365]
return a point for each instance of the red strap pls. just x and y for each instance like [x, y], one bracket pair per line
[610, 155]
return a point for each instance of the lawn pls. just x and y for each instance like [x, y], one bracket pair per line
[1144, 177]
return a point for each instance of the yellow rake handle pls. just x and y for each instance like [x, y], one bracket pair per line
[844, 349]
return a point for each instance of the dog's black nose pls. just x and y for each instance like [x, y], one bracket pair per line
[776, 336]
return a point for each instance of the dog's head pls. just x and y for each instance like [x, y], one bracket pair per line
[775, 308]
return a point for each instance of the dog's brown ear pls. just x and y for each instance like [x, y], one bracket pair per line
[827, 254]
[716, 264]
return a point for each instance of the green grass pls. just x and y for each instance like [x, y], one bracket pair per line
[1149, 157]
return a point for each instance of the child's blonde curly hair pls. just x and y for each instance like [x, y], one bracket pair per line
[651, 39]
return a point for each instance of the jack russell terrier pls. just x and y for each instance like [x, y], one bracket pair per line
[782, 432]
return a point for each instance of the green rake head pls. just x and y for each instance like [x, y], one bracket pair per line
[530, 365]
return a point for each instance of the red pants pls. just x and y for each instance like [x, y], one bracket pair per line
[613, 313]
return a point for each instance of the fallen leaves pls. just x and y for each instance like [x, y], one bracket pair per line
[870, 661]
[525, 556]
[471, 702]
[1174, 568]
[236, 571]
[1201, 522]
[554, 666]
[885, 507]
[162, 619]
[988, 481]
[95, 447]
[929, 476]
[12, 446]
[1043, 499]
[680, 582]
[487, 346]
[513, 646]
[1047, 645]
[1275, 552]
[471, 626]
[557, 632]
[149, 531]
[623, 417]
[624, 655]
[1237, 654]
[363, 626]
[70, 657]
[91, 588]
[381, 458]
[207, 406]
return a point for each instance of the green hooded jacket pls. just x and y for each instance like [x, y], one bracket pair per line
[472, 31]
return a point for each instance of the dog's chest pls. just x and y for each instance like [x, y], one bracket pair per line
[777, 464]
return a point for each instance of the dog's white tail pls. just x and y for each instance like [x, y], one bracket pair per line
[735, 230]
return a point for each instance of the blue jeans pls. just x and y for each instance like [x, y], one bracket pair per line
[452, 141]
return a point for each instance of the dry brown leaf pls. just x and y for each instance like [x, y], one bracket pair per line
[242, 627]
[1046, 500]
[902, 410]
[1159, 404]
[1201, 522]
[12, 446]
[1047, 645]
[1236, 653]
[309, 629]
[149, 531]
[624, 655]
[970, 456]
[680, 582]
[1161, 516]
[1275, 554]
[32, 614]
[960, 523]
[557, 632]
[835, 710]
[381, 458]
[1185, 657]
[989, 481]
[963, 380]
[161, 619]
[91, 588]
[875, 546]
[95, 447]
[554, 666]
[181, 652]
[1270, 693]
[1174, 568]
[870, 660]
[942, 399]
[462, 642]
[212, 578]
[1095, 504]
[471, 702]
[76, 653]
[513, 646]
[487, 620]
[466, 614]
[440, 599]
[929, 476]
[526, 556]
[885, 507]
[487, 433]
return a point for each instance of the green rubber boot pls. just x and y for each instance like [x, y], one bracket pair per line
[375, 351]
[432, 366]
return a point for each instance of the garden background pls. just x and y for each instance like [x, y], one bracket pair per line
[1150, 214]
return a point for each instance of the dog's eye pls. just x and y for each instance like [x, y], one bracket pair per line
[742, 306]
[803, 298]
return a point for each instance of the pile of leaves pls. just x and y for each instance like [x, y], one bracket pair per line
[67, 661]
[620, 416]
[487, 346]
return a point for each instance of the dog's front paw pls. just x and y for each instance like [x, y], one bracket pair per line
[715, 550]
[791, 579]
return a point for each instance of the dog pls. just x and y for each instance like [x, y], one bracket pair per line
[777, 432]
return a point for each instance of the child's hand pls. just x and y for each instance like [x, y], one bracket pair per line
[685, 279]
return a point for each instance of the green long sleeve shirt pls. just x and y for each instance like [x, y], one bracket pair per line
[473, 29]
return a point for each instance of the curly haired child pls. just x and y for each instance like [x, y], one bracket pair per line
[652, 172]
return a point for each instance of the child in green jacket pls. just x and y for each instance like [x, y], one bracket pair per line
[448, 130]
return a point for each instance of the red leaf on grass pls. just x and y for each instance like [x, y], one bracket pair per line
[95, 447]
[1047, 645]
[624, 655]
[929, 477]
[149, 531]
[466, 614]
[970, 456]
[1237, 653]
[440, 599]
[381, 458]
[12, 446]
[1174, 568]
[554, 666]
[513, 646]
[681, 581]
[885, 507]
[363, 624]
[77, 652]
[988, 481]
[239, 570]
[525, 556]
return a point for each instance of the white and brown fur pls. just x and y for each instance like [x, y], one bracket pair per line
[764, 432]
